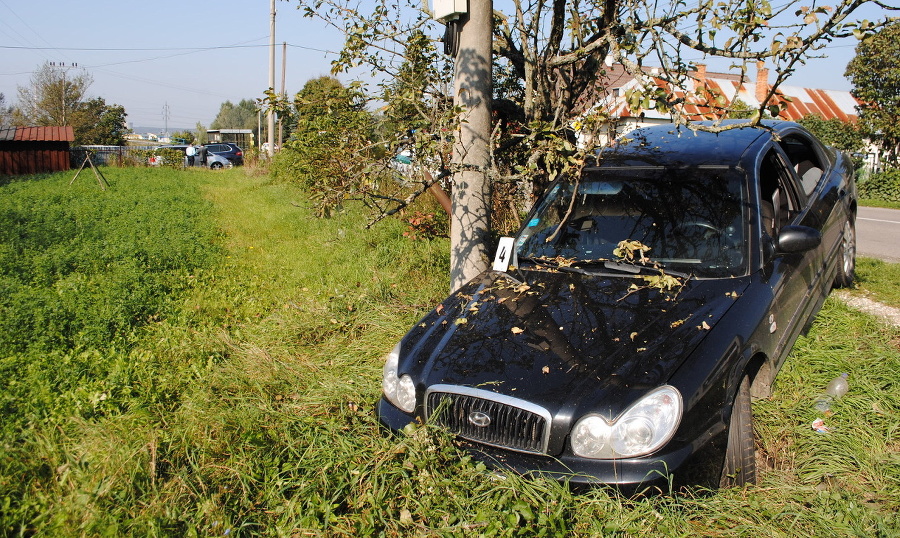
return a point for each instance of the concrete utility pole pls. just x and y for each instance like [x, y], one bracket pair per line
[471, 197]
[271, 111]
[282, 95]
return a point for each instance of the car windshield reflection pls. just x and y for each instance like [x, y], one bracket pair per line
[690, 218]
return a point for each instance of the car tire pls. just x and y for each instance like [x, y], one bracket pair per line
[846, 271]
[215, 166]
[739, 468]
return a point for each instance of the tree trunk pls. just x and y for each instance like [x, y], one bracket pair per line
[471, 197]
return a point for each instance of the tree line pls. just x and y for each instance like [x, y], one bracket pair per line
[57, 96]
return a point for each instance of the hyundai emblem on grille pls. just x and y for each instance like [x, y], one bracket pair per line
[479, 418]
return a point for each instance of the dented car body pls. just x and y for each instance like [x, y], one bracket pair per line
[646, 302]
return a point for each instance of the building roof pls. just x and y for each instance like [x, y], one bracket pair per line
[38, 134]
[798, 101]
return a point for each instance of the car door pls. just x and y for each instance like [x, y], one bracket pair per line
[814, 172]
[791, 275]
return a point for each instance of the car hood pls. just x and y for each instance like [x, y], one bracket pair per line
[565, 339]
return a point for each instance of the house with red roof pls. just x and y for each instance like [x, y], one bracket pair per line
[705, 95]
[701, 89]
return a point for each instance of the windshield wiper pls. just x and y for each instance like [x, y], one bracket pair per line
[636, 269]
[552, 264]
[630, 268]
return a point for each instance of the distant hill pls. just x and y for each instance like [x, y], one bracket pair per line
[159, 130]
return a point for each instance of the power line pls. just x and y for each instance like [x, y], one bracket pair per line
[181, 50]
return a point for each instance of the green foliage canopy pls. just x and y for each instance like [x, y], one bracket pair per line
[95, 122]
[875, 74]
[57, 97]
[243, 115]
[332, 130]
[5, 112]
[182, 137]
[54, 95]
[834, 132]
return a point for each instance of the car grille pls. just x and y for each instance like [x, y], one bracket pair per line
[509, 424]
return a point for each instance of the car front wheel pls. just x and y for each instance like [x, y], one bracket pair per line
[215, 166]
[740, 456]
[847, 263]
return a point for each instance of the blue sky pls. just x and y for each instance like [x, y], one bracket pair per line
[192, 56]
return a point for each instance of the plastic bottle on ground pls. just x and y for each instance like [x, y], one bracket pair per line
[836, 388]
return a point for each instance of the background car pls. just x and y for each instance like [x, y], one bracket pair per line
[229, 150]
[216, 161]
[213, 160]
[645, 304]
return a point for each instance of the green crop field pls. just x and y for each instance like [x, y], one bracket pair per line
[193, 353]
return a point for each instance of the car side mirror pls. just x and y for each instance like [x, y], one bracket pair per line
[793, 239]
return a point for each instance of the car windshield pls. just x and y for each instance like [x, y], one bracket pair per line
[690, 218]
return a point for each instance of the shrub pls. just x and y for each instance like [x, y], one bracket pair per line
[139, 157]
[884, 186]
[172, 158]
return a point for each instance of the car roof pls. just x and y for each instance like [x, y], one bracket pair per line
[673, 145]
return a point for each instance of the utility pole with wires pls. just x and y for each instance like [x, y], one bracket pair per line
[271, 111]
[63, 69]
[283, 95]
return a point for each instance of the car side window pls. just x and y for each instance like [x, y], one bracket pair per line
[805, 160]
[777, 198]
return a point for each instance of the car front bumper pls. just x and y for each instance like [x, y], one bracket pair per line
[698, 462]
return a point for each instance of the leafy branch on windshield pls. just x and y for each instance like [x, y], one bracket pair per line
[631, 251]
[628, 249]
[661, 281]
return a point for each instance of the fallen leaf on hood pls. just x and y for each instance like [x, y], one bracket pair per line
[704, 326]
[546, 369]
[517, 330]
[461, 321]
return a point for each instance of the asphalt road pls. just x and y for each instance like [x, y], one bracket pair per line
[878, 233]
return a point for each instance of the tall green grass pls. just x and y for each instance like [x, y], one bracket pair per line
[879, 280]
[240, 400]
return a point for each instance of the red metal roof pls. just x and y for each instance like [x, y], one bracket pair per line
[799, 101]
[38, 134]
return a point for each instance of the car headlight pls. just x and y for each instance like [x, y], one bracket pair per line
[643, 428]
[400, 391]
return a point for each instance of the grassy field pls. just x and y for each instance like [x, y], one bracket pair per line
[191, 353]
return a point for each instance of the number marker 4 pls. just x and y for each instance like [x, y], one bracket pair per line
[504, 254]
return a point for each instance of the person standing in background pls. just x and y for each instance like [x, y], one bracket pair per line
[190, 152]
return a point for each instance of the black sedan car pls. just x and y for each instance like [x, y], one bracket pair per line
[646, 302]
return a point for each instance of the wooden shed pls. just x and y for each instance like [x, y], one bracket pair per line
[32, 150]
